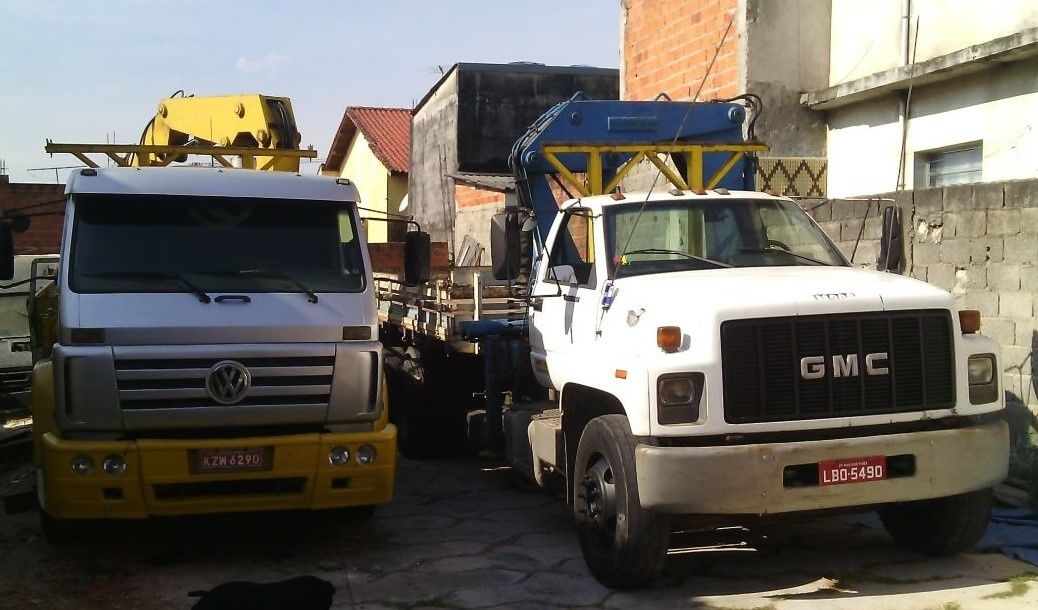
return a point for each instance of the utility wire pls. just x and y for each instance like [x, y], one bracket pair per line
[677, 134]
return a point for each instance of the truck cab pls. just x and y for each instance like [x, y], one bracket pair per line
[217, 349]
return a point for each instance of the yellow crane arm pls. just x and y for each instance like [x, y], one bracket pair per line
[236, 121]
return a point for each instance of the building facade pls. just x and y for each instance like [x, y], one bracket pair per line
[972, 69]
[462, 133]
[372, 148]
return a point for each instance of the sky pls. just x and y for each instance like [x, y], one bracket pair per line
[85, 71]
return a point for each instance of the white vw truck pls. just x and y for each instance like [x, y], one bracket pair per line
[216, 349]
[716, 359]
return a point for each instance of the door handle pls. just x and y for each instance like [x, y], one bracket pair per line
[537, 304]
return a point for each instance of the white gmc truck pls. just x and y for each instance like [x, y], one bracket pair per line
[715, 357]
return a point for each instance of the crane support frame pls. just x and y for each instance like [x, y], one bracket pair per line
[127, 155]
[693, 178]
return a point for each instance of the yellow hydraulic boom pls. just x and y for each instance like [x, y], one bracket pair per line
[259, 129]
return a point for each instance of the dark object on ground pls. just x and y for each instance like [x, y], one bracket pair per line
[21, 502]
[299, 593]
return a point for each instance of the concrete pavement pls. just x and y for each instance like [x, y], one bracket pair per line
[467, 534]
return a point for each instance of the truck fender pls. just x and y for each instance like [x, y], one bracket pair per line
[581, 404]
[42, 406]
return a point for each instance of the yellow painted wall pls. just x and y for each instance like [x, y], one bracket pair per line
[372, 180]
[396, 192]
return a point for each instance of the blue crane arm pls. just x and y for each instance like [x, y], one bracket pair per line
[603, 139]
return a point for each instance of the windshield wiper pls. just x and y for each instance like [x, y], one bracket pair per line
[781, 251]
[203, 297]
[685, 254]
[310, 294]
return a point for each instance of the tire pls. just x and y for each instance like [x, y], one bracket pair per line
[624, 545]
[940, 527]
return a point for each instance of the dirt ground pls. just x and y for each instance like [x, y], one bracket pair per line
[468, 534]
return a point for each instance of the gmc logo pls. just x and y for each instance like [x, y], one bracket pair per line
[813, 367]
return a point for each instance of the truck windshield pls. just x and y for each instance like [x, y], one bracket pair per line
[147, 243]
[710, 234]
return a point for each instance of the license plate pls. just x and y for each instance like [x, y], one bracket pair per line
[852, 470]
[231, 460]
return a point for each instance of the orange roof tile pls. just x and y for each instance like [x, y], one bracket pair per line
[387, 130]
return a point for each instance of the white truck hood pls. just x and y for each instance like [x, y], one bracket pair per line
[774, 291]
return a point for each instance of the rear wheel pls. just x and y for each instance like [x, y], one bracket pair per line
[624, 545]
[943, 526]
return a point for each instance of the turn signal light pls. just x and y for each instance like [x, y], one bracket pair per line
[969, 320]
[668, 338]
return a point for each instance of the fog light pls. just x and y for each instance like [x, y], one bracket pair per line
[366, 454]
[339, 455]
[981, 369]
[82, 464]
[114, 464]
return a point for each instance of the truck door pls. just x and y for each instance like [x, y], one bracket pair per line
[566, 289]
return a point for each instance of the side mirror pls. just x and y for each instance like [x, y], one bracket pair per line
[6, 252]
[417, 252]
[504, 245]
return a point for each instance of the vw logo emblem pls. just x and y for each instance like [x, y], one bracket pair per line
[228, 381]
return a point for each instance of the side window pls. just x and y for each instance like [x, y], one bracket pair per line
[574, 249]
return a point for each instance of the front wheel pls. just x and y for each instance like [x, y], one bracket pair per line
[939, 527]
[624, 545]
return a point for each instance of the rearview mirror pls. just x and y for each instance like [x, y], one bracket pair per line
[6, 252]
[417, 252]
[891, 245]
[504, 245]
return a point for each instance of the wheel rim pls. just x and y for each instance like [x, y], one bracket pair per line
[598, 490]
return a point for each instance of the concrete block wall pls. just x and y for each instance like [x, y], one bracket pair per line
[980, 242]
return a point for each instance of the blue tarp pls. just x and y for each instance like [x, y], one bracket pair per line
[1014, 532]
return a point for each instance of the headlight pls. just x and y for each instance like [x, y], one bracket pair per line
[82, 464]
[981, 369]
[983, 381]
[114, 464]
[339, 455]
[366, 454]
[677, 397]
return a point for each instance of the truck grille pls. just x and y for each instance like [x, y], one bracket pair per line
[761, 365]
[146, 383]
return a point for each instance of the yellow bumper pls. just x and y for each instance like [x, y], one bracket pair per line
[160, 477]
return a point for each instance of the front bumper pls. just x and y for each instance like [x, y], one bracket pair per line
[748, 479]
[158, 479]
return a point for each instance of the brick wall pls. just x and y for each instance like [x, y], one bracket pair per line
[388, 258]
[978, 241]
[44, 234]
[668, 44]
[470, 196]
